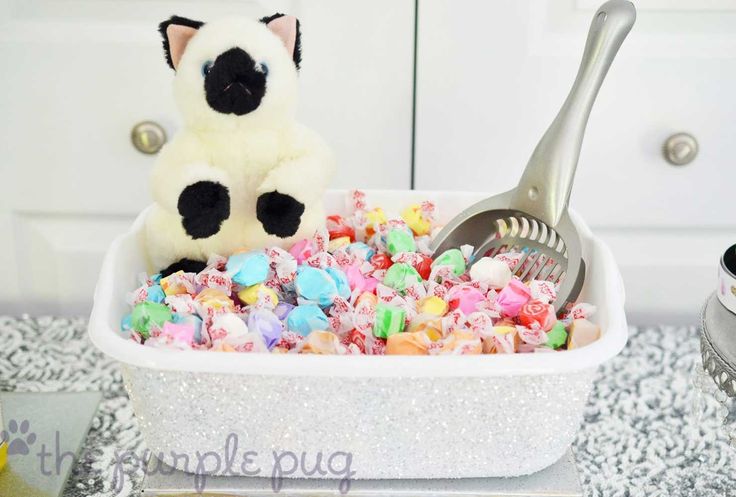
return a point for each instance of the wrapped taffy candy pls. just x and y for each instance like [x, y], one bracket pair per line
[365, 283]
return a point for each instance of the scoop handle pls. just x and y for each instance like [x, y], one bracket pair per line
[544, 188]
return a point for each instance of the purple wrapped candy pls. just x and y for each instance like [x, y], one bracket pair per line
[267, 324]
[283, 309]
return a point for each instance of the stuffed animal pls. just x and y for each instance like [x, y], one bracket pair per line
[242, 173]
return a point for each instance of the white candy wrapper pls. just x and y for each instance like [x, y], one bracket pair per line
[211, 277]
[512, 259]
[467, 251]
[217, 261]
[137, 296]
[534, 337]
[505, 343]
[581, 310]
[182, 304]
[480, 323]
[411, 258]
[544, 291]
[454, 320]
[322, 260]
[145, 280]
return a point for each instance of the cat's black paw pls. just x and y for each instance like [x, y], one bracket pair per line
[186, 265]
[203, 207]
[279, 214]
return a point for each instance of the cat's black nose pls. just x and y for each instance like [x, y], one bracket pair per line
[234, 83]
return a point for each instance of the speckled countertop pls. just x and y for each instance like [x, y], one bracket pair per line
[647, 431]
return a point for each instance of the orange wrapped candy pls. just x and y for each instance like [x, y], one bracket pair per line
[416, 343]
[461, 342]
[322, 342]
[428, 324]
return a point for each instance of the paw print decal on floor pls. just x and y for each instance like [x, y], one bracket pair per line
[19, 437]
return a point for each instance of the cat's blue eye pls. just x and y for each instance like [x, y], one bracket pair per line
[206, 68]
[264, 68]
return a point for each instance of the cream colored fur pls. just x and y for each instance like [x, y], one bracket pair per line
[259, 152]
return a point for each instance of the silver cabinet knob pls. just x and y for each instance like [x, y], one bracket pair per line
[680, 149]
[148, 137]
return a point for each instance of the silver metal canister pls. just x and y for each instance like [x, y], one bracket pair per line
[718, 344]
[727, 279]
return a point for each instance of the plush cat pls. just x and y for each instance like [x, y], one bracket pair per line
[242, 173]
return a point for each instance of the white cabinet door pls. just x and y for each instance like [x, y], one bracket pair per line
[492, 75]
[79, 74]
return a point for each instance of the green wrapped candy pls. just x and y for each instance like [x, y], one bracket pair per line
[400, 241]
[389, 321]
[401, 276]
[147, 314]
[557, 336]
[452, 257]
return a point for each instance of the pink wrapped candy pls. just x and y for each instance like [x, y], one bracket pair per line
[464, 297]
[511, 299]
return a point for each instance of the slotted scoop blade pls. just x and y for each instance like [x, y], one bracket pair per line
[533, 218]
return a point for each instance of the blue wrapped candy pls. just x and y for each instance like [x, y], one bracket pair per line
[360, 249]
[156, 294]
[305, 319]
[267, 324]
[126, 324]
[248, 268]
[341, 281]
[315, 285]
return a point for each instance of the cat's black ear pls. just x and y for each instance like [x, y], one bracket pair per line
[289, 30]
[176, 33]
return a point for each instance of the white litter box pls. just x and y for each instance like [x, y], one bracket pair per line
[396, 416]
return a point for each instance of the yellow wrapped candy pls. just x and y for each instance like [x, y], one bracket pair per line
[337, 243]
[432, 305]
[375, 217]
[250, 294]
[212, 298]
[412, 215]
[416, 343]
[503, 330]
[172, 285]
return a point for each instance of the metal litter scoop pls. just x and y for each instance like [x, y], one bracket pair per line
[533, 218]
